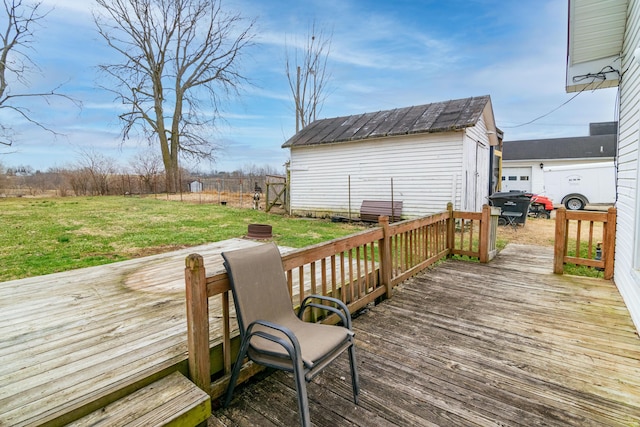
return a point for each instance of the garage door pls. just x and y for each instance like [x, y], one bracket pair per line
[516, 179]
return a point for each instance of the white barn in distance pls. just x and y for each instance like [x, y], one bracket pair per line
[424, 156]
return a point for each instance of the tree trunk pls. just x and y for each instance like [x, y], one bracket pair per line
[169, 148]
[172, 173]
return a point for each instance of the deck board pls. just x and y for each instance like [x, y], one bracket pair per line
[461, 344]
[505, 343]
[69, 338]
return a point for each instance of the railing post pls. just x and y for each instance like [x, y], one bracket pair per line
[385, 255]
[450, 229]
[267, 207]
[485, 226]
[197, 322]
[559, 248]
[610, 243]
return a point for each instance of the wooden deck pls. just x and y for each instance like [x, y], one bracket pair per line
[73, 341]
[463, 344]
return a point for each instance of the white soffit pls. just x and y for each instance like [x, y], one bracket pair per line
[596, 34]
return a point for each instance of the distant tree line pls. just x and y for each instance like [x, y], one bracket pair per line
[97, 175]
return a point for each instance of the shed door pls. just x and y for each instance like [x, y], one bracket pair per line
[518, 179]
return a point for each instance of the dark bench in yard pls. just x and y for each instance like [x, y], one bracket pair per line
[370, 210]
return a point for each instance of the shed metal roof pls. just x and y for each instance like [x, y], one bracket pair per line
[580, 147]
[444, 116]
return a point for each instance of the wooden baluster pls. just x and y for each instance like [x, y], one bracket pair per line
[226, 332]
[578, 238]
[323, 275]
[301, 283]
[384, 248]
[343, 292]
[334, 278]
[313, 278]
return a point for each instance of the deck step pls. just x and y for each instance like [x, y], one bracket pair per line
[170, 401]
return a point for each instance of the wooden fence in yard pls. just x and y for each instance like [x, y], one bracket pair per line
[578, 240]
[358, 269]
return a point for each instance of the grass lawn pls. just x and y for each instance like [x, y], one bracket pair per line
[42, 236]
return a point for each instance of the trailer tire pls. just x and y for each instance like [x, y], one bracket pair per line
[574, 203]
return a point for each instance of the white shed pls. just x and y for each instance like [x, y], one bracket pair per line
[196, 187]
[424, 156]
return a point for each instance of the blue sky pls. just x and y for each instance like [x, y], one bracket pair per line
[385, 54]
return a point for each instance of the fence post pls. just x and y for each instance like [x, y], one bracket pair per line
[610, 243]
[267, 207]
[197, 322]
[451, 227]
[385, 254]
[485, 226]
[559, 248]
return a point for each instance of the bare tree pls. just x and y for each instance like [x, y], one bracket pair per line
[97, 169]
[147, 166]
[3, 178]
[17, 37]
[308, 76]
[175, 54]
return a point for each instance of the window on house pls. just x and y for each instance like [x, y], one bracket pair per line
[513, 178]
[524, 178]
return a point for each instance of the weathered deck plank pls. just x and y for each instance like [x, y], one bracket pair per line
[505, 343]
[461, 344]
[73, 338]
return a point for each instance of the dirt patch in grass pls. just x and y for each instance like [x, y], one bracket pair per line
[536, 231]
[541, 232]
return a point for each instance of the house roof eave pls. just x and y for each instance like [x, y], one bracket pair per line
[595, 36]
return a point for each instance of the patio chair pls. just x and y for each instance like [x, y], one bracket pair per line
[272, 335]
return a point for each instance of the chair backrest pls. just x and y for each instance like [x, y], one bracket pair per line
[259, 284]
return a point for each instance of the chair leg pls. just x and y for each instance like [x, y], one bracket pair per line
[355, 381]
[301, 388]
[235, 372]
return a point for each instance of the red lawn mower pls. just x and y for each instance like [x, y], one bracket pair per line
[540, 206]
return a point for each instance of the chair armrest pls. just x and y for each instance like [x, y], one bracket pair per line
[342, 310]
[292, 346]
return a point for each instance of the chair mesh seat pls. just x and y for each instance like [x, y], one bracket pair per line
[316, 340]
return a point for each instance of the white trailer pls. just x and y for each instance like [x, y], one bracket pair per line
[576, 186]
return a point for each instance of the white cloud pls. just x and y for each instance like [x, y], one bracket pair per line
[384, 55]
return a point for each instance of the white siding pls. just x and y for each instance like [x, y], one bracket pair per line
[514, 179]
[476, 170]
[426, 171]
[627, 237]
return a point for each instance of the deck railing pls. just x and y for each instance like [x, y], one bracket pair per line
[585, 238]
[358, 269]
